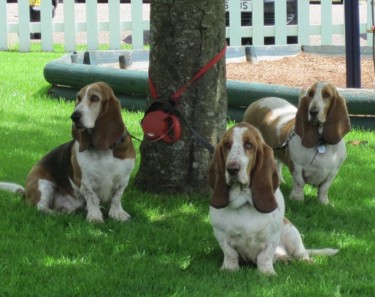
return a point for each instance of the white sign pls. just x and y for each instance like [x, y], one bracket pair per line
[245, 5]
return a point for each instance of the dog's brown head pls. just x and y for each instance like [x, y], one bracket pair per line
[97, 119]
[322, 115]
[242, 157]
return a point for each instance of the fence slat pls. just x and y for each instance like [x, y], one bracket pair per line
[326, 15]
[303, 22]
[114, 27]
[92, 25]
[3, 26]
[69, 26]
[280, 22]
[234, 22]
[258, 22]
[46, 30]
[137, 26]
[23, 26]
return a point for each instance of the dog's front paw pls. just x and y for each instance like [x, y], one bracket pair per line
[297, 195]
[284, 259]
[95, 217]
[119, 215]
[230, 266]
[266, 269]
[323, 199]
[268, 272]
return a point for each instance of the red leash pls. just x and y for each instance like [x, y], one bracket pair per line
[162, 118]
[176, 96]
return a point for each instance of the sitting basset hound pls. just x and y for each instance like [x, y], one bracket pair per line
[247, 207]
[309, 140]
[92, 168]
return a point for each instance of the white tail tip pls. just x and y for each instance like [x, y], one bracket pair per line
[322, 252]
[11, 187]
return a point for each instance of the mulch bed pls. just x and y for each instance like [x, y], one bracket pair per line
[301, 70]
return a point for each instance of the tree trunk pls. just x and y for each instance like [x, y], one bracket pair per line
[185, 36]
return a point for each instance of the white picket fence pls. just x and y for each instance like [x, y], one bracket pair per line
[115, 21]
[323, 24]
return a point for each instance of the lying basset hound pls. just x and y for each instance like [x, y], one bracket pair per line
[92, 168]
[247, 206]
[309, 140]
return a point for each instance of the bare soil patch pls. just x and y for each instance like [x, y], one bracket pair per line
[301, 70]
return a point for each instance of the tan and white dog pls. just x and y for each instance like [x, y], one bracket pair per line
[92, 168]
[247, 207]
[309, 140]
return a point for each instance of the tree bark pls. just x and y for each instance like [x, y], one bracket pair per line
[185, 36]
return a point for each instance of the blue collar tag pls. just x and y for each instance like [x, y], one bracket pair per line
[321, 148]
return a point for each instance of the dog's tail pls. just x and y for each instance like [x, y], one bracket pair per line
[322, 252]
[13, 188]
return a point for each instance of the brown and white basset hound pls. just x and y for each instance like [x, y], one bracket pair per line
[247, 207]
[92, 168]
[309, 140]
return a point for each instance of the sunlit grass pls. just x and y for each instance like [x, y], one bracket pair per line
[167, 248]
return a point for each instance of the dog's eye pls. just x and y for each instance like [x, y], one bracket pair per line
[94, 98]
[227, 145]
[311, 93]
[326, 95]
[248, 145]
[78, 99]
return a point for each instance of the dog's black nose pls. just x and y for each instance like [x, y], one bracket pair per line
[76, 117]
[233, 169]
[313, 112]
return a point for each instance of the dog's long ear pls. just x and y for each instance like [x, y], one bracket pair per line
[337, 124]
[83, 138]
[109, 127]
[216, 179]
[264, 180]
[309, 133]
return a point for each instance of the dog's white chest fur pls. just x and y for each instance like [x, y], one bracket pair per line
[103, 172]
[241, 227]
[317, 164]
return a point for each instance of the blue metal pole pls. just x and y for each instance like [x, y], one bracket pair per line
[352, 44]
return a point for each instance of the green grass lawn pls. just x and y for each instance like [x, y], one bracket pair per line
[168, 247]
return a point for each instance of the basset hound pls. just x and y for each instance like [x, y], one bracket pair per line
[92, 168]
[247, 207]
[309, 140]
